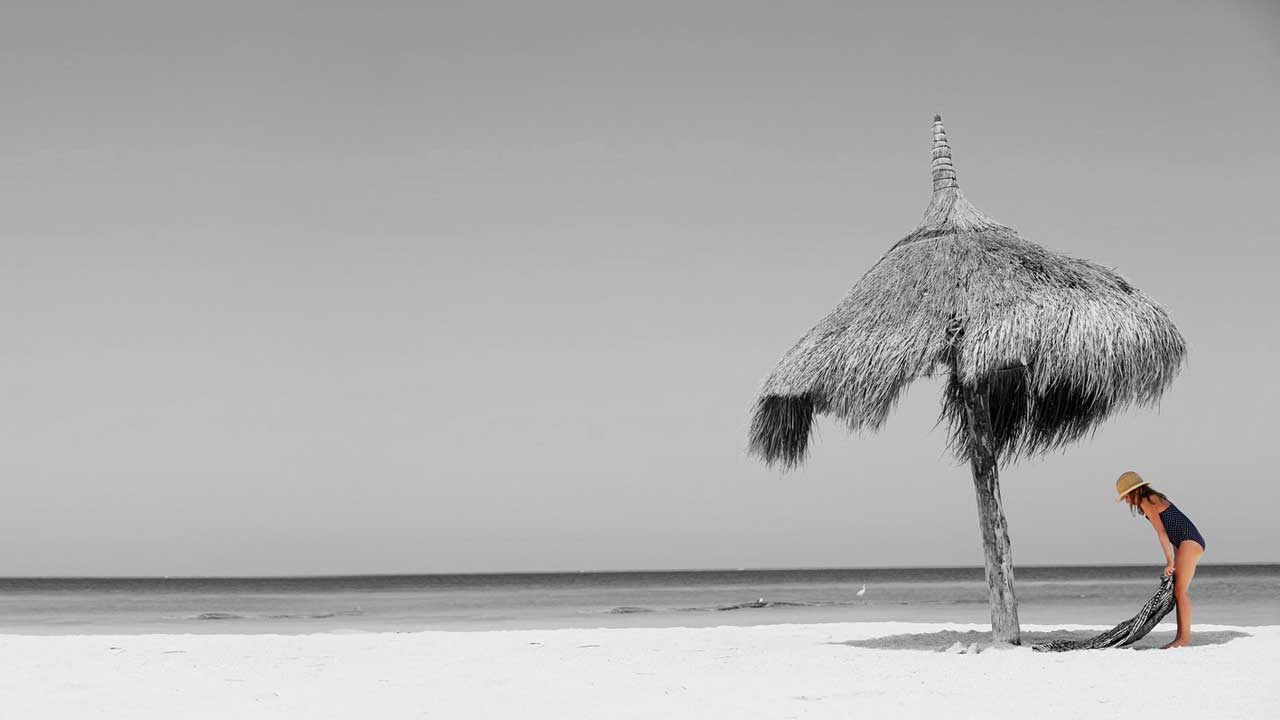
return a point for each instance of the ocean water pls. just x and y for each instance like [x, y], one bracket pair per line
[1222, 594]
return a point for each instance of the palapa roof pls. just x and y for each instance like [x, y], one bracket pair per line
[1059, 343]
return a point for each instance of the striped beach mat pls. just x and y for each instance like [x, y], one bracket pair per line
[1126, 633]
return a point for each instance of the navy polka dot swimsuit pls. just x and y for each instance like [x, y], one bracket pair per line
[1179, 527]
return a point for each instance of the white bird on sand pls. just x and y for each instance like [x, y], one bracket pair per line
[863, 591]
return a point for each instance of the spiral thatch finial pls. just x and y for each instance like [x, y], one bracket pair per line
[944, 173]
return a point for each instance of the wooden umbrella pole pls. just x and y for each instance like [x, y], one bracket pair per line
[995, 532]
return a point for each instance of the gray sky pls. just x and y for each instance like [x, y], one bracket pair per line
[476, 287]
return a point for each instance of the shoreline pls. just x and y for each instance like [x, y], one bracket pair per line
[214, 629]
[480, 628]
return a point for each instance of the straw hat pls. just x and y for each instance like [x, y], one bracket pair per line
[1127, 483]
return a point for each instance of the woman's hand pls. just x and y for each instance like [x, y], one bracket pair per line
[1168, 569]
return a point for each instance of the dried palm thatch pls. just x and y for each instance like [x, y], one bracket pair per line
[1057, 343]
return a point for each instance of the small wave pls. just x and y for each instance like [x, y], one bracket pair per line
[765, 604]
[629, 609]
[219, 616]
[316, 616]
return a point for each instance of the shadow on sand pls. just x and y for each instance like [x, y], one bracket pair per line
[944, 639]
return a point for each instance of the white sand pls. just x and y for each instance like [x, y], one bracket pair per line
[774, 671]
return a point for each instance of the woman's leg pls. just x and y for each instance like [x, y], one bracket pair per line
[1184, 560]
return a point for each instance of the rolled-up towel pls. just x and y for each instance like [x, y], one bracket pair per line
[1126, 633]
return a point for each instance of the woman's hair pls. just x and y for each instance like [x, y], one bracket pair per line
[1138, 494]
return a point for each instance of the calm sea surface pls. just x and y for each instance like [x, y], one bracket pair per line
[1224, 594]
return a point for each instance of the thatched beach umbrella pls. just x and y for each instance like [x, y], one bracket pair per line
[1039, 348]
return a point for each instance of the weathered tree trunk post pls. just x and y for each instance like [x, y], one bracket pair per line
[995, 532]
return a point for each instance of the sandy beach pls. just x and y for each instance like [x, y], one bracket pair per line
[770, 671]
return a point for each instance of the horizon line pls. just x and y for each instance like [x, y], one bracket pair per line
[304, 576]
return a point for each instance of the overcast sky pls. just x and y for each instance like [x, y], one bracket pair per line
[435, 287]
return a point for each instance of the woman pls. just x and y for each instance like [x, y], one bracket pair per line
[1181, 541]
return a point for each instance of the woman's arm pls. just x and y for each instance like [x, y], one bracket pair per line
[1161, 536]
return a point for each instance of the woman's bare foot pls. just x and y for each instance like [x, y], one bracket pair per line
[1177, 643]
